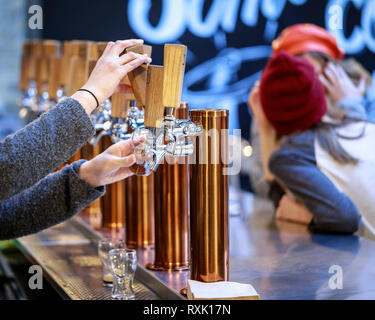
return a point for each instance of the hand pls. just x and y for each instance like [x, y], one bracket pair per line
[257, 110]
[338, 84]
[292, 211]
[110, 166]
[109, 71]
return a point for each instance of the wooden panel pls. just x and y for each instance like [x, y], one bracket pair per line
[174, 70]
[154, 111]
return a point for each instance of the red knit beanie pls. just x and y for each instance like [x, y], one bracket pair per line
[292, 96]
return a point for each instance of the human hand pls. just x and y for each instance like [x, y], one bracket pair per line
[291, 210]
[338, 84]
[110, 166]
[257, 110]
[109, 71]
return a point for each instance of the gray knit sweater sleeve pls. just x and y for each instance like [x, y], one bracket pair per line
[52, 200]
[38, 149]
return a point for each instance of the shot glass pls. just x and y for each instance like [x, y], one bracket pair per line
[123, 263]
[104, 247]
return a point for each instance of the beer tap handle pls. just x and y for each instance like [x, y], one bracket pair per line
[120, 105]
[54, 77]
[23, 83]
[51, 49]
[65, 63]
[174, 70]
[78, 65]
[36, 52]
[138, 77]
[154, 110]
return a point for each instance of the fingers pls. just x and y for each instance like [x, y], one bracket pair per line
[127, 161]
[108, 48]
[362, 86]
[331, 73]
[121, 45]
[130, 56]
[135, 63]
[126, 147]
[327, 84]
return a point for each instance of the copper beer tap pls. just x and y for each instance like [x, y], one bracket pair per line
[209, 240]
[172, 216]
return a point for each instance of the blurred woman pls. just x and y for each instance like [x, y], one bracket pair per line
[326, 167]
[346, 83]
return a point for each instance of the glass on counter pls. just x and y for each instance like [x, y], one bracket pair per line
[104, 247]
[123, 263]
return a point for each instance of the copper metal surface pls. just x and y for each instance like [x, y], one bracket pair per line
[113, 201]
[172, 211]
[140, 212]
[209, 199]
[94, 210]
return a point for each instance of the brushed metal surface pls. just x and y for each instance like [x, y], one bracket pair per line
[280, 259]
[70, 262]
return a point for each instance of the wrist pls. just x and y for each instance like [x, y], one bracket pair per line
[86, 100]
[85, 174]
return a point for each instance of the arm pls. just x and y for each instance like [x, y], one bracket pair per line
[39, 148]
[332, 210]
[54, 199]
[59, 196]
[36, 150]
[267, 134]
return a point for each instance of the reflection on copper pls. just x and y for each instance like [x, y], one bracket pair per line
[209, 199]
[113, 201]
[172, 211]
[139, 212]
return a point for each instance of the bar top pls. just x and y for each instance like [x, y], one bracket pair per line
[281, 260]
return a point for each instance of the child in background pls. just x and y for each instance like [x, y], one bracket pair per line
[319, 162]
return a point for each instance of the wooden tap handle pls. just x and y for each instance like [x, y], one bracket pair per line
[174, 70]
[51, 49]
[138, 77]
[78, 65]
[65, 62]
[77, 75]
[54, 76]
[36, 52]
[120, 105]
[154, 110]
[23, 83]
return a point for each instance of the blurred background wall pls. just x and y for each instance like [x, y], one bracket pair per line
[229, 41]
[13, 31]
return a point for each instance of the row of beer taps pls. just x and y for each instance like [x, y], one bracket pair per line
[51, 71]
